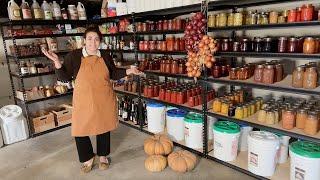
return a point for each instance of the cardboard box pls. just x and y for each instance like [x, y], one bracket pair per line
[62, 115]
[43, 123]
[30, 95]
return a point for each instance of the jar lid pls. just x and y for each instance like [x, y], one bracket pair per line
[306, 149]
[226, 127]
[260, 66]
[257, 39]
[309, 38]
[268, 39]
[292, 39]
[300, 68]
[264, 135]
[283, 38]
[245, 40]
[270, 66]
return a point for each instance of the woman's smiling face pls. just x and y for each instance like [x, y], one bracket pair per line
[92, 41]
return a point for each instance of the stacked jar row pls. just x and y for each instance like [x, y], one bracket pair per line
[171, 44]
[306, 45]
[173, 66]
[303, 13]
[162, 25]
[305, 76]
[130, 86]
[242, 73]
[269, 73]
[301, 114]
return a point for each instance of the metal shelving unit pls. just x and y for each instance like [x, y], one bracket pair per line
[269, 55]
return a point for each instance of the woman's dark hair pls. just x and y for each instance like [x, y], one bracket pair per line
[93, 29]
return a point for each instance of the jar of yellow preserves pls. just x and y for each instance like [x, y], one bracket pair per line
[216, 106]
[225, 107]
[239, 112]
[245, 111]
[238, 19]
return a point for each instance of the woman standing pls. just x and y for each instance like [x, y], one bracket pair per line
[94, 101]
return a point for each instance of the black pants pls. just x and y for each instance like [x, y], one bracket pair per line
[85, 150]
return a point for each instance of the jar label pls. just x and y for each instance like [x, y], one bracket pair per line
[16, 13]
[299, 173]
[26, 13]
[47, 15]
[253, 159]
[57, 12]
[37, 13]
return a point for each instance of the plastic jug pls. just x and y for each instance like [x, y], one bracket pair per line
[56, 11]
[73, 13]
[13, 10]
[81, 11]
[46, 10]
[36, 10]
[26, 11]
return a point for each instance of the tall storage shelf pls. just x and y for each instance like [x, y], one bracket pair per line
[240, 163]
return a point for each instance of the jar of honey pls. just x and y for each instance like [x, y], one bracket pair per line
[233, 75]
[239, 112]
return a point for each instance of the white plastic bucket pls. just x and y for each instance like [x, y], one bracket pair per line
[226, 138]
[193, 131]
[262, 152]
[243, 140]
[284, 148]
[156, 117]
[13, 124]
[175, 124]
[305, 161]
[211, 121]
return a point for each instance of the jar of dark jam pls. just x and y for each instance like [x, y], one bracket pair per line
[165, 25]
[225, 45]
[160, 25]
[230, 44]
[170, 25]
[258, 44]
[233, 74]
[278, 72]
[267, 44]
[216, 71]
[236, 46]
[292, 45]
[224, 71]
[152, 26]
[300, 41]
[282, 44]
[244, 45]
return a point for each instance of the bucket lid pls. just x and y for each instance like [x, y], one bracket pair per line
[176, 113]
[154, 104]
[193, 118]
[226, 127]
[10, 111]
[264, 135]
[306, 149]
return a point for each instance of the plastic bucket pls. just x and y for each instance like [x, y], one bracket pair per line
[175, 124]
[226, 138]
[193, 130]
[156, 117]
[305, 160]
[243, 140]
[284, 149]
[262, 152]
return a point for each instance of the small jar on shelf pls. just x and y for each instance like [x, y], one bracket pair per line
[288, 119]
[312, 123]
[309, 45]
[297, 77]
[310, 78]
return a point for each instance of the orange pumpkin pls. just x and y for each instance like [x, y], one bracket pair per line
[182, 161]
[155, 163]
[158, 145]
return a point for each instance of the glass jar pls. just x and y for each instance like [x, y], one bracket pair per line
[262, 114]
[176, 44]
[281, 19]
[222, 20]
[144, 27]
[236, 46]
[258, 73]
[146, 46]
[310, 78]
[173, 97]
[156, 90]
[212, 21]
[288, 119]
[163, 46]
[152, 45]
[238, 19]
[242, 73]
[230, 44]
[180, 98]
[152, 26]
[170, 43]
[191, 101]
[224, 71]
[297, 77]
[252, 108]
[216, 71]
[150, 91]
[292, 45]
[162, 94]
[217, 105]
[168, 95]
[225, 45]
[168, 67]
[282, 44]
[178, 24]
[267, 44]
[312, 123]
[233, 74]
[264, 19]
[245, 111]
[230, 19]
[307, 12]
[170, 25]
[182, 45]
[141, 45]
[244, 46]
[165, 25]
[309, 45]
[273, 17]
[270, 117]
[268, 74]
[292, 16]
[278, 72]
[225, 107]
[174, 67]
[239, 112]
[252, 19]
[139, 27]
[160, 25]
[258, 44]
[301, 118]
[181, 69]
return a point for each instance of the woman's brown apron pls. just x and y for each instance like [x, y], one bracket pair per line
[94, 101]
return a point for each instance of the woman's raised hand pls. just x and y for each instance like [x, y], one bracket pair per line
[53, 57]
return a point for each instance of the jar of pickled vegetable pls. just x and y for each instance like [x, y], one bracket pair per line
[168, 95]
[292, 45]
[268, 74]
[244, 45]
[278, 73]
[236, 46]
[146, 46]
[310, 78]
[180, 97]
[160, 25]
[191, 101]
[163, 46]
[242, 73]
[267, 44]
[282, 44]
[212, 21]
[309, 45]
[270, 117]
[150, 91]
[262, 114]
[222, 19]
[292, 16]
[230, 19]
[144, 27]
[182, 45]
[170, 43]
[162, 94]
[141, 45]
[233, 75]
[252, 19]
[217, 105]
[225, 107]
[176, 44]
[302, 115]
[245, 111]
[152, 45]
[252, 108]
[288, 119]
[258, 73]
[165, 25]
[170, 25]
[312, 123]
[307, 12]
[139, 26]
[297, 77]
[238, 19]
[273, 17]
[174, 67]
[225, 45]
[178, 24]
[156, 90]
[224, 71]
[216, 71]
[239, 112]
[258, 44]
[173, 97]
[181, 69]
[281, 19]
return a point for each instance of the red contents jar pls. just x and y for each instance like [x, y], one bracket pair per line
[191, 101]
[146, 46]
[141, 45]
[159, 25]
[182, 45]
[168, 95]
[170, 25]
[163, 46]
[165, 25]
[173, 98]
[152, 45]
[150, 91]
[196, 101]
[307, 12]
[174, 67]
[162, 94]
[145, 91]
[155, 90]
[180, 97]
[189, 94]
[176, 45]
[170, 43]
[292, 15]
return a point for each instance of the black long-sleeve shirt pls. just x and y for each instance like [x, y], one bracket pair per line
[72, 62]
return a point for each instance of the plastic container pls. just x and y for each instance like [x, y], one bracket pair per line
[305, 160]
[262, 152]
[284, 148]
[13, 124]
[46, 10]
[13, 10]
[211, 121]
[243, 140]
[25, 9]
[56, 10]
[226, 138]
[81, 11]
[121, 8]
[175, 124]
[193, 130]
[36, 10]
[73, 12]
[156, 117]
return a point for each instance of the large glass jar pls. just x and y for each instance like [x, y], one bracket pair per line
[251, 19]
[180, 97]
[216, 71]
[163, 46]
[262, 114]
[309, 45]
[288, 119]
[182, 45]
[270, 117]
[144, 27]
[258, 73]
[168, 95]
[225, 45]
[224, 71]
[292, 16]
[236, 46]
[160, 25]
[158, 45]
[139, 27]
[292, 45]
[264, 19]
[168, 67]
[212, 21]
[173, 97]
[178, 24]
[225, 107]
[230, 19]
[310, 78]
[239, 112]
[151, 26]
[273, 17]
[282, 44]
[312, 123]
[170, 43]
[141, 45]
[258, 44]
[268, 74]
[300, 42]
[176, 45]
[233, 74]
[165, 25]
[170, 25]
[297, 77]
[307, 12]
[174, 67]
[152, 45]
[238, 19]
[278, 73]
[181, 68]
[244, 46]
[242, 73]
[222, 19]
[191, 101]
[245, 111]
[146, 46]
[301, 118]
[267, 46]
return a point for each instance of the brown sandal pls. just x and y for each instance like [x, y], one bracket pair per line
[104, 165]
[87, 168]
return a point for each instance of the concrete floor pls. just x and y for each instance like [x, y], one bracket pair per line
[53, 156]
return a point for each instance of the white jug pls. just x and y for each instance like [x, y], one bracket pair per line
[13, 10]
[81, 11]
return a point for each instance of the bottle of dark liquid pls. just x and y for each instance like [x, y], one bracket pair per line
[129, 109]
[125, 110]
[145, 120]
[135, 113]
[120, 107]
[132, 111]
